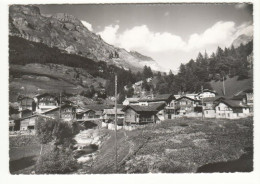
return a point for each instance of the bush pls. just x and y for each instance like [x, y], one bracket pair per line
[57, 161]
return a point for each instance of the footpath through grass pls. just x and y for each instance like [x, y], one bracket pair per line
[178, 146]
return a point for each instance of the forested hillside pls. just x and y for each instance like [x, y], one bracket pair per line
[229, 62]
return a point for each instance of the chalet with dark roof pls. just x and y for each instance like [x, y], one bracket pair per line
[45, 102]
[185, 105]
[66, 111]
[28, 123]
[206, 93]
[162, 98]
[110, 113]
[231, 109]
[136, 114]
[86, 115]
[26, 103]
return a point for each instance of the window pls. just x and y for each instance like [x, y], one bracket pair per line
[219, 108]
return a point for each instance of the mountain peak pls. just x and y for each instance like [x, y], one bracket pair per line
[64, 17]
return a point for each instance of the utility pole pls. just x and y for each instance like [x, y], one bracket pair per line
[202, 110]
[60, 107]
[224, 91]
[116, 120]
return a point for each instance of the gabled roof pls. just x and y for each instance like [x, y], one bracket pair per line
[162, 97]
[98, 107]
[207, 90]
[187, 98]
[26, 110]
[239, 97]
[26, 97]
[232, 103]
[149, 108]
[57, 108]
[44, 94]
[35, 115]
[132, 99]
[85, 111]
[113, 111]
[213, 99]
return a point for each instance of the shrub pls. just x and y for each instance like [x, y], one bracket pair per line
[57, 161]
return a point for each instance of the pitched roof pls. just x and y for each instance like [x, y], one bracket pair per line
[187, 98]
[212, 99]
[98, 107]
[132, 99]
[149, 108]
[84, 111]
[35, 115]
[232, 103]
[207, 90]
[113, 111]
[26, 97]
[57, 108]
[161, 97]
[44, 94]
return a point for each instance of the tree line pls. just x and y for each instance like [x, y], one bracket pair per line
[223, 63]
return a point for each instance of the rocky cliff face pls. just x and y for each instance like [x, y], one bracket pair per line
[244, 39]
[68, 34]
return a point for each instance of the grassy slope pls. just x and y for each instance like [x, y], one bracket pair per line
[23, 153]
[32, 79]
[232, 85]
[177, 146]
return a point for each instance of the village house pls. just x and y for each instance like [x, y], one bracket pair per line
[66, 112]
[45, 102]
[133, 101]
[136, 114]
[27, 103]
[185, 105]
[162, 98]
[28, 123]
[189, 95]
[207, 94]
[86, 115]
[231, 109]
[98, 108]
[209, 107]
[246, 97]
[110, 114]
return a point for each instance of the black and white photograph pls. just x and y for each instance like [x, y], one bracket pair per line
[131, 88]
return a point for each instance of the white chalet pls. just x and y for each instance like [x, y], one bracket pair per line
[231, 109]
[207, 94]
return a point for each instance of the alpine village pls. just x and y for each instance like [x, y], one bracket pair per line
[78, 105]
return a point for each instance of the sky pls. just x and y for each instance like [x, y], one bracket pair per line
[169, 33]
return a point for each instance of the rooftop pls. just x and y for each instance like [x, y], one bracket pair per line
[113, 111]
[149, 108]
[233, 103]
[162, 97]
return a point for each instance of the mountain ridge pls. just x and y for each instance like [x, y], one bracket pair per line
[67, 33]
[242, 39]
